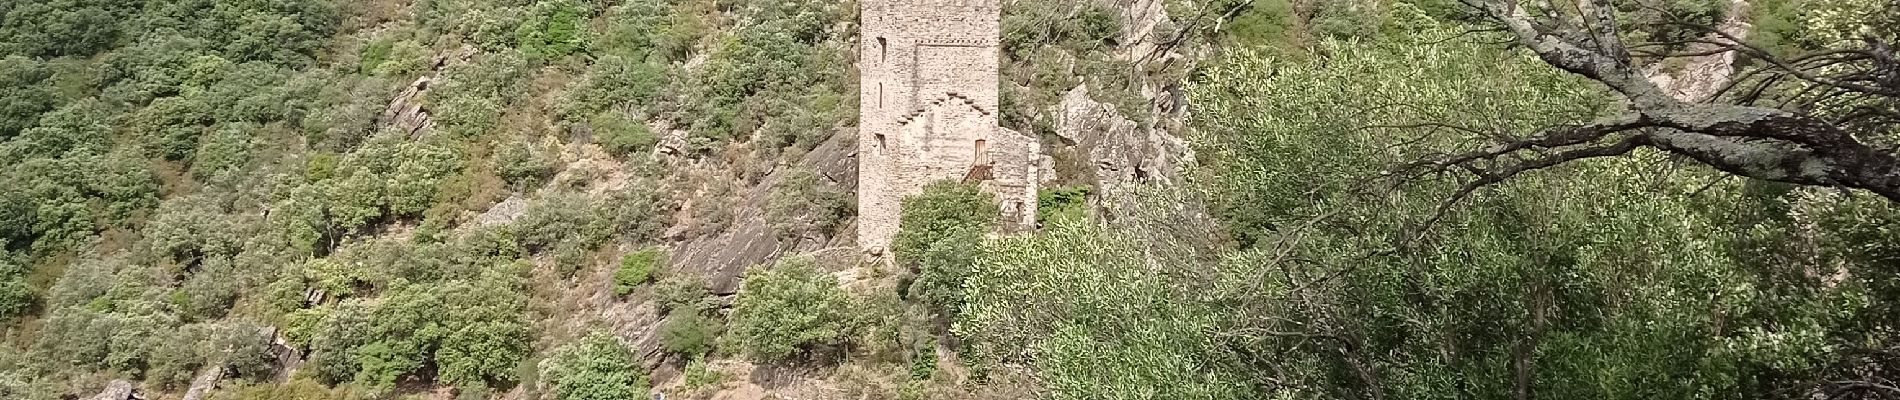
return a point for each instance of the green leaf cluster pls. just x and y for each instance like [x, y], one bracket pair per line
[940, 236]
[790, 308]
[598, 367]
[636, 269]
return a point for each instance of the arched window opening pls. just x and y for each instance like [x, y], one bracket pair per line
[883, 50]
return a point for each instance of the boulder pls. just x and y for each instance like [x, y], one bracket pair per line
[1123, 152]
[119, 389]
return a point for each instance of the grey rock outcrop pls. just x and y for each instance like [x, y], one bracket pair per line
[1697, 78]
[118, 389]
[749, 240]
[406, 113]
[1122, 151]
[503, 213]
[206, 380]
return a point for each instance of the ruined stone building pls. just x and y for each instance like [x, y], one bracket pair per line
[929, 112]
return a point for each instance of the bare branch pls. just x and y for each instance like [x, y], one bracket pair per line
[1492, 177]
[1762, 143]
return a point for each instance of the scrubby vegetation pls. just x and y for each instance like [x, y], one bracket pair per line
[804, 204]
[791, 308]
[598, 367]
[378, 199]
[941, 236]
[636, 269]
[186, 178]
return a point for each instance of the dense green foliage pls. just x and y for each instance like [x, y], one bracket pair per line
[939, 237]
[679, 292]
[790, 308]
[405, 329]
[185, 182]
[16, 296]
[689, 334]
[1124, 327]
[1051, 47]
[1602, 279]
[636, 269]
[1062, 203]
[183, 175]
[598, 367]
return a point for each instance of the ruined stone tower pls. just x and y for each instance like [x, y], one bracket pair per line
[929, 112]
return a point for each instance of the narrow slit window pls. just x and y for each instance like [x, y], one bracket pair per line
[883, 50]
[880, 95]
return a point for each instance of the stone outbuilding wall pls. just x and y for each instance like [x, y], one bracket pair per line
[929, 112]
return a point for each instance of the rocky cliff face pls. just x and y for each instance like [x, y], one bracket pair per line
[734, 185]
[1120, 153]
[748, 239]
[1697, 78]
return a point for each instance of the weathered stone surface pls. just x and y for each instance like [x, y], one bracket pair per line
[724, 256]
[1697, 78]
[1123, 152]
[507, 211]
[929, 81]
[406, 114]
[118, 389]
[206, 380]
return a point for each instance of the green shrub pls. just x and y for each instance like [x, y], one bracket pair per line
[1062, 202]
[598, 367]
[699, 375]
[62, 27]
[614, 83]
[636, 269]
[420, 170]
[940, 235]
[689, 334]
[1034, 25]
[394, 58]
[469, 330]
[174, 125]
[467, 116]
[223, 151]
[374, 54]
[640, 212]
[1345, 19]
[16, 296]
[790, 308]
[562, 220]
[210, 292]
[552, 30]
[22, 96]
[523, 163]
[301, 326]
[682, 293]
[621, 135]
[630, 30]
[675, 35]
[803, 205]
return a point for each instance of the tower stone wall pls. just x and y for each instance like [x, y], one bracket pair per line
[929, 112]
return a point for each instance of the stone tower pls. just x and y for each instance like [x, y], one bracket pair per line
[928, 112]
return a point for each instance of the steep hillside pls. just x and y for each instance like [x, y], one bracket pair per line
[617, 199]
[392, 197]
